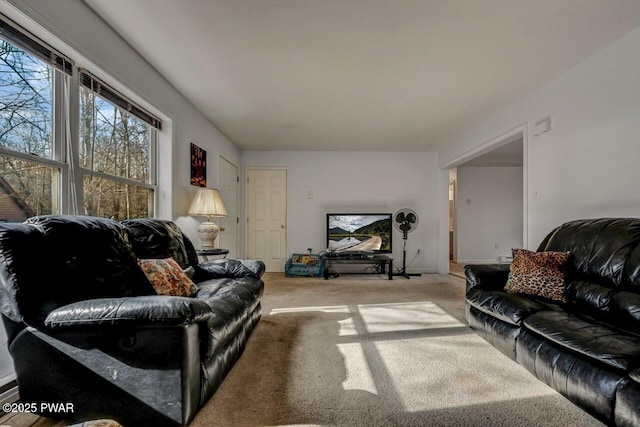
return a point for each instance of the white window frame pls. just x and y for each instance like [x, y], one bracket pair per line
[66, 140]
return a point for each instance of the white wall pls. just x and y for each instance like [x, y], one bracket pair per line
[587, 165]
[358, 182]
[87, 39]
[489, 212]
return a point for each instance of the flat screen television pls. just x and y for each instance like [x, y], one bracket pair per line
[348, 232]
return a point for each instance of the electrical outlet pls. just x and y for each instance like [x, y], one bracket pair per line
[497, 246]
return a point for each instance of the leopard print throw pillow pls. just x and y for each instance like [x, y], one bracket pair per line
[538, 273]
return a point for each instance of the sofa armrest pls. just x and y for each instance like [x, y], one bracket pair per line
[487, 276]
[134, 311]
[229, 268]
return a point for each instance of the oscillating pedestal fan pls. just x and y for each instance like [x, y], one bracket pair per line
[405, 221]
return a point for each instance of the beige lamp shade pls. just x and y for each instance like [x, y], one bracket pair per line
[207, 202]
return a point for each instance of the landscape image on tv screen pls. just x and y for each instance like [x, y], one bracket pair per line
[359, 232]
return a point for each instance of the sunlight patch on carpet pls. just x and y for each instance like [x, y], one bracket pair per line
[454, 371]
[408, 316]
[387, 317]
[347, 327]
[358, 372]
[403, 352]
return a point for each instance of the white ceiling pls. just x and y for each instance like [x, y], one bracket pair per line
[396, 75]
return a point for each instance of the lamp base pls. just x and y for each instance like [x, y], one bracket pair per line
[208, 231]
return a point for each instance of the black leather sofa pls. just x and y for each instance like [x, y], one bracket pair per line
[86, 327]
[588, 348]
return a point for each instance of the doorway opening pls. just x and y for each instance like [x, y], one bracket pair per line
[487, 202]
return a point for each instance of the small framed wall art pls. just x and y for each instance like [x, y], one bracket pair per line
[198, 166]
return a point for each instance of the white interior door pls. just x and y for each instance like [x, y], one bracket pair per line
[229, 187]
[267, 217]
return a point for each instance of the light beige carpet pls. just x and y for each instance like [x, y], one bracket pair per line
[365, 351]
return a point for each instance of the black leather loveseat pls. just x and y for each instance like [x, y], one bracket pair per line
[86, 327]
[587, 348]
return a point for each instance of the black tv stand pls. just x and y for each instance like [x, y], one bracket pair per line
[333, 258]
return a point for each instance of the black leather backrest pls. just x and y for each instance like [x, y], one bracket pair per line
[24, 264]
[50, 261]
[632, 270]
[605, 256]
[600, 248]
[158, 238]
[625, 304]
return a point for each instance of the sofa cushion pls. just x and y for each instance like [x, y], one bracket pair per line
[23, 288]
[487, 276]
[582, 335]
[625, 306]
[600, 248]
[589, 298]
[130, 312]
[538, 273]
[245, 290]
[93, 255]
[229, 316]
[627, 404]
[501, 335]
[231, 268]
[157, 238]
[584, 381]
[232, 302]
[631, 272]
[167, 277]
[87, 257]
[508, 307]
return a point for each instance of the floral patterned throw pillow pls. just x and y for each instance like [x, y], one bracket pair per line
[167, 277]
[538, 273]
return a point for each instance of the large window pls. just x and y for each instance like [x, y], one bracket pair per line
[100, 163]
[115, 154]
[27, 185]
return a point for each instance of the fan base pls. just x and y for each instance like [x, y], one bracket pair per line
[406, 275]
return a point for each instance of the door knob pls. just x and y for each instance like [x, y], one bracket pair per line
[221, 228]
[281, 225]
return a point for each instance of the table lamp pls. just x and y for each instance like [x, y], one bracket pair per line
[207, 202]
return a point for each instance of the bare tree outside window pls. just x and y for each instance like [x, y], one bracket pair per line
[114, 148]
[116, 143]
[26, 122]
